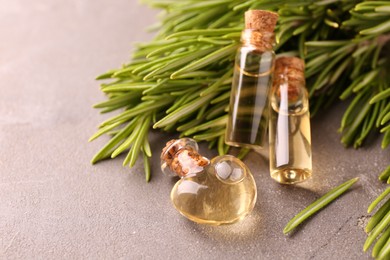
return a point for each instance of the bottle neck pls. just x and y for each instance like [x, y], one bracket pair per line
[263, 41]
[181, 158]
[290, 86]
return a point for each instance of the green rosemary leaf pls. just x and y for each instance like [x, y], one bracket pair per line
[126, 144]
[318, 205]
[380, 245]
[210, 135]
[106, 75]
[367, 127]
[103, 130]
[183, 111]
[244, 5]
[203, 5]
[378, 216]
[124, 100]
[383, 112]
[221, 121]
[384, 8]
[386, 139]
[217, 83]
[228, 50]
[380, 96]
[376, 231]
[204, 32]
[114, 141]
[326, 44]
[350, 133]
[385, 118]
[350, 114]
[197, 74]
[128, 87]
[151, 62]
[341, 69]
[381, 28]
[201, 18]
[147, 167]
[223, 20]
[378, 199]
[171, 47]
[217, 110]
[221, 98]
[243, 152]
[366, 80]
[221, 144]
[384, 129]
[385, 174]
[135, 149]
[138, 110]
[179, 62]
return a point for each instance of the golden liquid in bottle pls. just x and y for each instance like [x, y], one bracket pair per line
[224, 193]
[290, 140]
[249, 106]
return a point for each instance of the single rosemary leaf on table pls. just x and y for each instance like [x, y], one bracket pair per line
[318, 205]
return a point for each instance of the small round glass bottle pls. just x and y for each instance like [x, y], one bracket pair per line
[252, 80]
[289, 125]
[216, 192]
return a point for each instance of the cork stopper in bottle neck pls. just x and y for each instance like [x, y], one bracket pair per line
[260, 20]
[180, 157]
[290, 71]
[259, 28]
[291, 67]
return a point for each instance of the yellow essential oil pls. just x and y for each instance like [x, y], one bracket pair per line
[252, 80]
[289, 125]
[216, 192]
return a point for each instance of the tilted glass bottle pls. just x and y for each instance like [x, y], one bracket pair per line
[289, 125]
[216, 192]
[252, 80]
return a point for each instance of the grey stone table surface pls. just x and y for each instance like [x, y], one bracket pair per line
[55, 205]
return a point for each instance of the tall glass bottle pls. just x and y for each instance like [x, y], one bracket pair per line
[249, 104]
[289, 125]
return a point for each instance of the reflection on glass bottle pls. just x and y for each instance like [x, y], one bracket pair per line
[289, 127]
[248, 111]
[216, 192]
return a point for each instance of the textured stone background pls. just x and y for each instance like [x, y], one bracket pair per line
[55, 205]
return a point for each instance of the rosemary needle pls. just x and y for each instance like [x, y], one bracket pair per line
[385, 251]
[378, 199]
[385, 174]
[318, 204]
[376, 231]
[380, 243]
[378, 216]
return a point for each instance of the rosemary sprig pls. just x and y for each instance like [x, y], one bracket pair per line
[182, 78]
[378, 226]
[318, 205]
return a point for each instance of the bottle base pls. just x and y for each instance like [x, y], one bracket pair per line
[214, 222]
[290, 175]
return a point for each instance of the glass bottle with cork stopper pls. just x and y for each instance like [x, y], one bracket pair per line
[289, 125]
[252, 80]
[215, 192]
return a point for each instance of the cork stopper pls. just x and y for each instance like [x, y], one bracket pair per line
[289, 63]
[261, 20]
[180, 157]
[290, 70]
